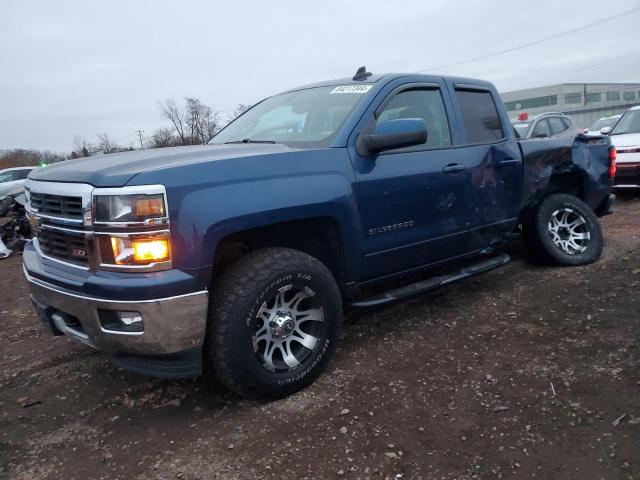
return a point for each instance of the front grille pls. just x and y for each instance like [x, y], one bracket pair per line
[627, 174]
[64, 245]
[57, 205]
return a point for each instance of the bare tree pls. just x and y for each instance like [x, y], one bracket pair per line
[23, 158]
[240, 109]
[107, 144]
[172, 112]
[82, 148]
[211, 125]
[194, 123]
[163, 137]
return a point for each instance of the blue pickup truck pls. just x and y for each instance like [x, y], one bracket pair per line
[241, 255]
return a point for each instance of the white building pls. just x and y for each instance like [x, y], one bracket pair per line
[583, 102]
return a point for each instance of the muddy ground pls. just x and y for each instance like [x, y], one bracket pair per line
[522, 372]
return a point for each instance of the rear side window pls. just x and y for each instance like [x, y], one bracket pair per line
[425, 104]
[557, 125]
[22, 174]
[542, 129]
[480, 116]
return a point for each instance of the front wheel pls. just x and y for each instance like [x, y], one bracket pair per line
[274, 323]
[565, 231]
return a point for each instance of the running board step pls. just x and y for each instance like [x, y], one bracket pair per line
[424, 286]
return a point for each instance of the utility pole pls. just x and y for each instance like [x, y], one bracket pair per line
[140, 137]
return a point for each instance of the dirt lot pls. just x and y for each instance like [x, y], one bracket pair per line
[518, 373]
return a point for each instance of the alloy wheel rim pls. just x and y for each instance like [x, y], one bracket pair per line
[569, 231]
[287, 328]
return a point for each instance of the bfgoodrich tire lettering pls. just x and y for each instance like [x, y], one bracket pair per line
[563, 230]
[274, 321]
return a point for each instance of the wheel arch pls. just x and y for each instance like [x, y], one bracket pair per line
[568, 182]
[319, 236]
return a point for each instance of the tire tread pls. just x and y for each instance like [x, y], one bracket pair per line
[231, 293]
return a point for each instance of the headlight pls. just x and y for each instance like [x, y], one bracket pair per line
[130, 208]
[131, 227]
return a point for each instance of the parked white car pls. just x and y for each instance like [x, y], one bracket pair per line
[603, 126]
[625, 136]
[12, 180]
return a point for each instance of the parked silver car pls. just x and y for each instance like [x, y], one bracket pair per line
[545, 125]
[12, 180]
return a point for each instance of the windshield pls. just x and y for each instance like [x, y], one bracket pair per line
[6, 177]
[604, 122]
[629, 123]
[522, 128]
[310, 116]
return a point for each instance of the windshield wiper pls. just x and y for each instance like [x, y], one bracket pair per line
[249, 140]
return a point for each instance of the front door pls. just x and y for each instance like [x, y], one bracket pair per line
[412, 201]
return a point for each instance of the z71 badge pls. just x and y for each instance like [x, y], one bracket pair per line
[392, 227]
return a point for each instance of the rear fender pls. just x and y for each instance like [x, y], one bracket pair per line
[568, 166]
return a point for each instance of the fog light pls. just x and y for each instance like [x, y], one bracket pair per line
[151, 250]
[139, 249]
[118, 321]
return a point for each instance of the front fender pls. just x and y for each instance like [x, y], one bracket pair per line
[284, 200]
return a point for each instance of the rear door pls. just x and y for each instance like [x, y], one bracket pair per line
[492, 157]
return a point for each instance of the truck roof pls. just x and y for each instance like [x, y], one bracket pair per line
[384, 78]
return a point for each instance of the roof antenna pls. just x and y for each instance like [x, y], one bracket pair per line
[361, 74]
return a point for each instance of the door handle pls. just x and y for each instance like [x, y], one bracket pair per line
[453, 168]
[509, 161]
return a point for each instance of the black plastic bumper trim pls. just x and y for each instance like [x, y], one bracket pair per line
[177, 365]
[606, 206]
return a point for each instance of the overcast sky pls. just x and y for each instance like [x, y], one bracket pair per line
[81, 67]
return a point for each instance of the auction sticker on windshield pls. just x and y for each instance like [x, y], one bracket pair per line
[351, 89]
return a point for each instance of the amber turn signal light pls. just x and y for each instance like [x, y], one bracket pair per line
[155, 250]
[140, 250]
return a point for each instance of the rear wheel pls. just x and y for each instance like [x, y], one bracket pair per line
[274, 323]
[563, 230]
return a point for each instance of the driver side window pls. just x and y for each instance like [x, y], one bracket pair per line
[425, 104]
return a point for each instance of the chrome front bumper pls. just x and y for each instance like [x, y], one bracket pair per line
[171, 325]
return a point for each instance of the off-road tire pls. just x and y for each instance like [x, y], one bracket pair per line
[539, 239]
[236, 298]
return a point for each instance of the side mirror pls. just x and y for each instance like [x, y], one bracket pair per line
[390, 134]
[605, 130]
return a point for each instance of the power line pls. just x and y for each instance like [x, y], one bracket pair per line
[536, 42]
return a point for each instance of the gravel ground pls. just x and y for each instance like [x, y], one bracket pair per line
[522, 372]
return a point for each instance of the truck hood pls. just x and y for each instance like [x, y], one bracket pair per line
[116, 169]
[625, 140]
